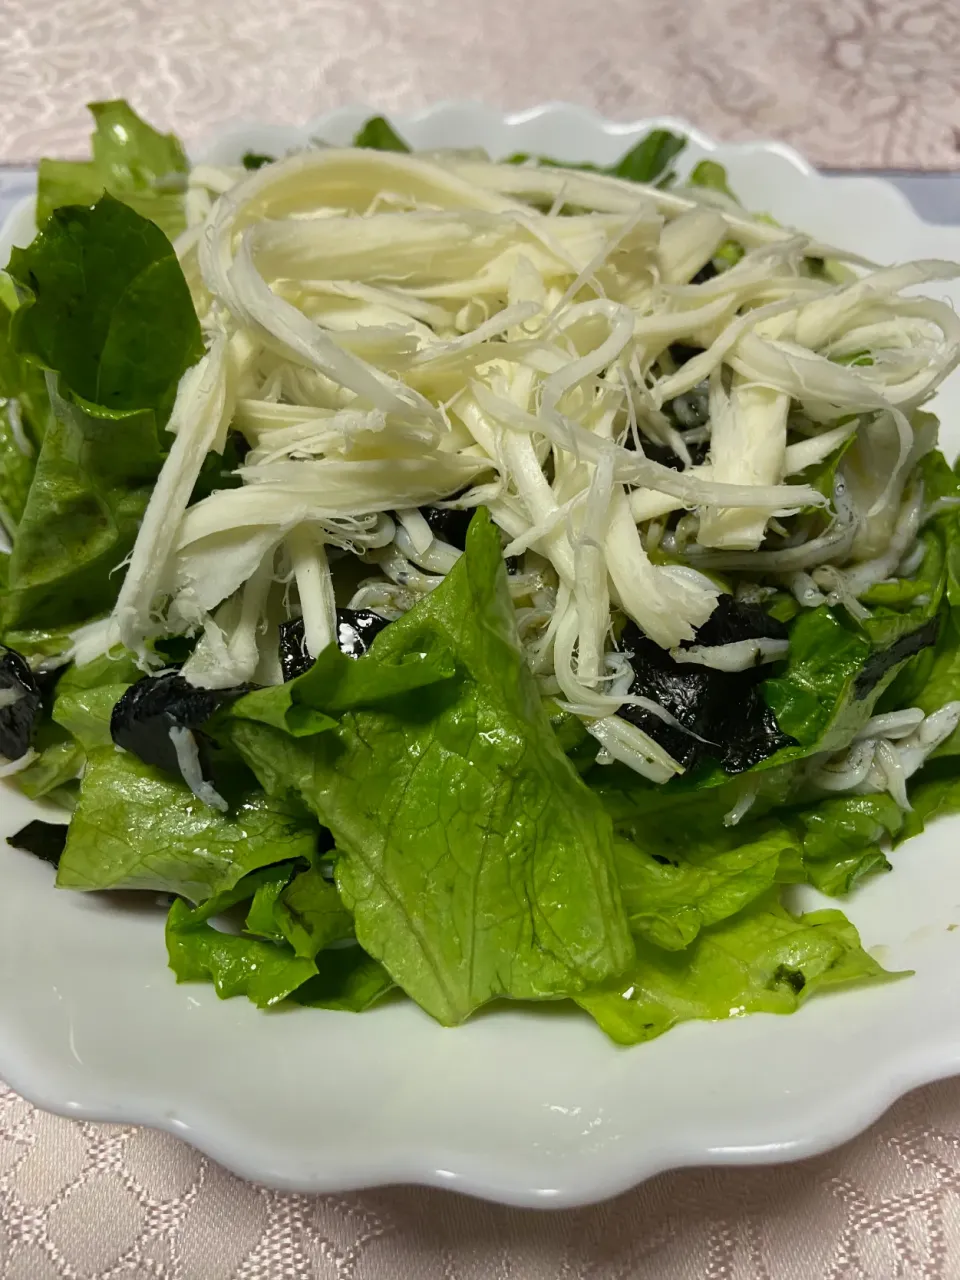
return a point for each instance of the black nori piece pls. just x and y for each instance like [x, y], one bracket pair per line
[734, 620]
[45, 840]
[725, 708]
[356, 629]
[17, 721]
[448, 524]
[142, 719]
[878, 664]
[294, 658]
[706, 272]
[663, 454]
[681, 352]
[686, 692]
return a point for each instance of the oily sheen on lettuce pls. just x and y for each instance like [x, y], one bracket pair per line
[474, 860]
[24, 413]
[131, 161]
[763, 960]
[287, 948]
[107, 311]
[701, 867]
[137, 828]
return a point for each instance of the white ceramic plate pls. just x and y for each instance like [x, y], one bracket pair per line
[528, 1107]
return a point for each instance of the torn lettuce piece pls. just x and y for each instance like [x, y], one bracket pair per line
[299, 907]
[88, 494]
[261, 918]
[24, 415]
[708, 173]
[106, 309]
[939, 679]
[236, 965]
[835, 674]
[310, 915]
[256, 159]
[85, 697]
[106, 306]
[831, 843]
[841, 839]
[292, 919]
[341, 684]
[19, 379]
[650, 160]
[136, 828]
[347, 980]
[59, 761]
[131, 161]
[941, 491]
[670, 896]
[17, 462]
[764, 960]
[377, 134]
[934, 793]
[475, 861]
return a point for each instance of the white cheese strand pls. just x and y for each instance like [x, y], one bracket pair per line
[188, 758]
[200, 415]
[315, 587]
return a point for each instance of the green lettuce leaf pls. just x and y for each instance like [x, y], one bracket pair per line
[763, 960]
[37, 643]
[941, 482]
[841, 838]
[261, 919]
[87, 498]
[347, 979]
[131, 161]
[85, 697]
[310, 915]
[708, 173]
[942, 683]
[107, 308]
[934, 793]
[256, 159]
[137, 828]
[236, 965]
[16, 471]
[300, 908]
[670, 896]
[341, 684]
[57, 766]
[835, 675]
[475, 861]
[377, 134]
[650, 160]
[272, 966]
[24, 415]
[932, 678]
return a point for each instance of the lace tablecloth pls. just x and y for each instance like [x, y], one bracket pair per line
[872, 83]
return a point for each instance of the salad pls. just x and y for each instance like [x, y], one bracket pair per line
[472, 580]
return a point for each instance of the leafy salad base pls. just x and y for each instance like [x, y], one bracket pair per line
[551, 1025]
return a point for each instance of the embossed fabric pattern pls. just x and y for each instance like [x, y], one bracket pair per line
[849, 82]
[870, 83]
[104, 1202]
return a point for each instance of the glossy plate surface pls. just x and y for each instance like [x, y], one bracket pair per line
[526, 1107]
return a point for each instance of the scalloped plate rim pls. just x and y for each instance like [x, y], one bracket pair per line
[847, 1112]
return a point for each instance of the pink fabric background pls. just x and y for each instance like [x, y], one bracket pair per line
[867, 83]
